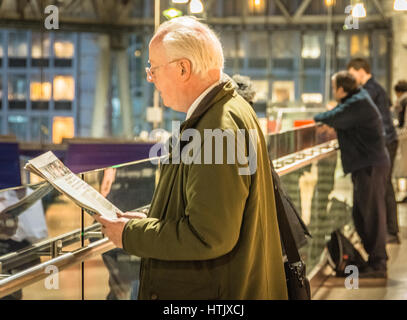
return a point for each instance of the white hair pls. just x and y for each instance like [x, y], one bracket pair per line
[186, 37]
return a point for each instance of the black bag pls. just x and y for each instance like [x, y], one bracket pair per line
[298, 285]
[342, 253]
[297, 226]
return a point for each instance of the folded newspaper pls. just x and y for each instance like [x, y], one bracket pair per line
[50, 168]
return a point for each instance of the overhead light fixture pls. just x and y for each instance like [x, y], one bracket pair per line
[400, 5]
[172, 13]
[358, 10]
[196, 6]
[330, 3]
[180, 1]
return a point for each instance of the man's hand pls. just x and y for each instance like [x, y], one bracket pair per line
[331, 104]
[8, 226]
[113, 228]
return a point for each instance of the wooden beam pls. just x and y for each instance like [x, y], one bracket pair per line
[284, 10]
[99, 9]
[379, 8]
[3, 7]
[21, 4]
[125, 10]
[304, 5]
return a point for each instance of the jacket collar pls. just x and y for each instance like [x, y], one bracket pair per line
[350, 94]
[222, 90]
[371, 82]
[217, 93]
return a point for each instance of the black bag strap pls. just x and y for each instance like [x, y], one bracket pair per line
[284, 227]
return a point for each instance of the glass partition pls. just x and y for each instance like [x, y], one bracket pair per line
[291, 141]
[114, 275]
[323, 195]
[39, 219]
[50, 226]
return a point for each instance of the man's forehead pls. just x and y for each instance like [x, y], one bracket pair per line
[156, 52]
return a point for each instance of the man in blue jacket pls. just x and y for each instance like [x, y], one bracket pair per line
[360, 69]
[360, 132]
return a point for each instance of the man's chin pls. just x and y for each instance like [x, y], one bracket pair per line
[173, 107]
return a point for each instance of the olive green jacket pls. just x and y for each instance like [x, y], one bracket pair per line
[212, 233]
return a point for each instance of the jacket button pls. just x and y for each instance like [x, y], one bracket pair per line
[154, 296]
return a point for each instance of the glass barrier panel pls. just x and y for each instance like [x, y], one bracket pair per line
[287, 142]
[36, 219]
[114, 275]
[284, 116]
[323, 196]
[63, 284]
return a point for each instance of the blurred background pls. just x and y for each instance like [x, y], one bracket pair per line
[87, 78]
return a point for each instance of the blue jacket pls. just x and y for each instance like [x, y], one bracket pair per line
[382, 101]
[359, 127]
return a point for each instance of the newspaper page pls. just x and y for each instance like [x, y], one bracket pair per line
[49, 167]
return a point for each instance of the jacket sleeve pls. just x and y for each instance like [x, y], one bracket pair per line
[210, 226]
[341, 117]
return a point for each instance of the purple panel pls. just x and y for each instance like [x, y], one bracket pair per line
[60, 154]
[9, 165]
[85, 157]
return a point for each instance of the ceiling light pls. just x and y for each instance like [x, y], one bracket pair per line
[359, 11]
[400, 5]
[172, 13]
[196, 6]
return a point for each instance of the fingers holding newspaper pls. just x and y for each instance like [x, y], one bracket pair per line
[132, 215]
[113, 228]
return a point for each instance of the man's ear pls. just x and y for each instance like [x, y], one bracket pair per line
[185, 66]
[342, 92]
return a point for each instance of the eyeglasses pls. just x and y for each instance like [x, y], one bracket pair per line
[151, 71]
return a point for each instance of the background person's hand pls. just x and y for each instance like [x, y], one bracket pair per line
[109, 176]
[8, 226]
[331, 104]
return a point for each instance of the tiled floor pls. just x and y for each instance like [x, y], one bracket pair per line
[393, 288]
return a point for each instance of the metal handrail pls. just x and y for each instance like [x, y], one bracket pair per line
[38, 272]
[44, 248]
[297, 160]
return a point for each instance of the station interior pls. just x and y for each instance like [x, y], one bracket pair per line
[73, 82]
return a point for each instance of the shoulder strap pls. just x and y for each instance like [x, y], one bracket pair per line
[284, 227]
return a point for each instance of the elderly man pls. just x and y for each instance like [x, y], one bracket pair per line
[211, 232]
[363, 152]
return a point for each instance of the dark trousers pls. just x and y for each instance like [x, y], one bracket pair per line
[369, 211]
[391, 205]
